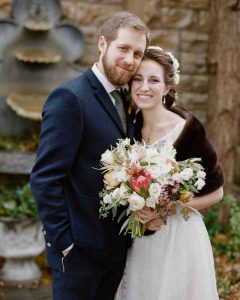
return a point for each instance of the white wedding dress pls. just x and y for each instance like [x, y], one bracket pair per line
[174, 263]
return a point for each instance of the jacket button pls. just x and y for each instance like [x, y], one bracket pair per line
[49, 244]
[44, 232]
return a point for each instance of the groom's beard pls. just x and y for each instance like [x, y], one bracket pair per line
[112, 74]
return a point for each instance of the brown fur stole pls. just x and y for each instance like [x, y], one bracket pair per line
[193, 142]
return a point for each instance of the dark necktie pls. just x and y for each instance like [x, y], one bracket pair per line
[120, 107]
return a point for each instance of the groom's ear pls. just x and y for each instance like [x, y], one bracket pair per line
[102, 44]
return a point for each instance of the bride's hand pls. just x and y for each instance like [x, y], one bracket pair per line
[171, 208]
[155, 224]
[146, 214]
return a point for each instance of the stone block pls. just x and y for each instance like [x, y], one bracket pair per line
[193, 63]
[204, 21]
[167, 39]
[187, 3]
[194, 41]
[151, 10]
[194, 83]
[90, 33]
[168, 17]
[192, 98]
[83, 13]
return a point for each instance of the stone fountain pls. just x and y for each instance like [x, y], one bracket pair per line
[37, 53]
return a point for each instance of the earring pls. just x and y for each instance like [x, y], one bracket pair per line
[164, 100]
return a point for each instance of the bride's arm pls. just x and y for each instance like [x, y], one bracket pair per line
[196, 203]
[206, 200]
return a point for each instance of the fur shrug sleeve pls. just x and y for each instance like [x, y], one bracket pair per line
[193, 142]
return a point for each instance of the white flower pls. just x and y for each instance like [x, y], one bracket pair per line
[136, 202]
[154, 190]
[133, 156]
[107, 158]
[151, 202]
[120, 174]
[199, 183]
[201, 174]
[176, 177]
[176, 78]
[186, 174]
[125, 142]
[123, 190]
[115, 194]
[107, 199]
[109, 180]
[136, 154]
[155, 48]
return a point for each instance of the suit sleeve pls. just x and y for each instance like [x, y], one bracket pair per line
[60, 137]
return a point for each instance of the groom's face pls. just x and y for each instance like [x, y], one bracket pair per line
[120, 59]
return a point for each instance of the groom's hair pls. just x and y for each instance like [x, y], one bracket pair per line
[123, 20]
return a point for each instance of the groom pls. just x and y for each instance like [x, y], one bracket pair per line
[81, 119]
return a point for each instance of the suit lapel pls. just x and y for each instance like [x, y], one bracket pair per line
[104, 99]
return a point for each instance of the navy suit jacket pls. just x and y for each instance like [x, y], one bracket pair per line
[79, 123]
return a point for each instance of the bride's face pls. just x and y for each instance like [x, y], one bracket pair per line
[148, 86]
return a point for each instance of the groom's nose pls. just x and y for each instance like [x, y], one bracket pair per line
[129, 58]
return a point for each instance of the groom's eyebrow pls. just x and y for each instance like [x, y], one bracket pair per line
[137, 75]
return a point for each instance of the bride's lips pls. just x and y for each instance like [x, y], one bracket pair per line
[144, 96]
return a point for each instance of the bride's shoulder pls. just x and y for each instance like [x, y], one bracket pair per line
[175, 118]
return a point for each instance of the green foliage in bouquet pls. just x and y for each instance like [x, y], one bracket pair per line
[18, 203]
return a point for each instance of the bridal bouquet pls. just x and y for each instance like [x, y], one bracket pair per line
[137, 175]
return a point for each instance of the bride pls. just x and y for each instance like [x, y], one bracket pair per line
[175, 261]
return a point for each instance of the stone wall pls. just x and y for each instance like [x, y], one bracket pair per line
[180, 26]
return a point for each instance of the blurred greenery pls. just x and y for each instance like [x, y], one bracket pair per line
[26, 141]
[225, 239]
[17, 203]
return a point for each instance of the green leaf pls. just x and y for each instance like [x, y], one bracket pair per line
[143, 192]
[124, 213]
[193, 189]
[124, 225]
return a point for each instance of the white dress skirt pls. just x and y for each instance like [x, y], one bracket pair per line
[174, 263]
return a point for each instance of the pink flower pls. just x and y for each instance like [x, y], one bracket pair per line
[139, 180]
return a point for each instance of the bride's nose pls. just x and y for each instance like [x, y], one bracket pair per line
[144, 86]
